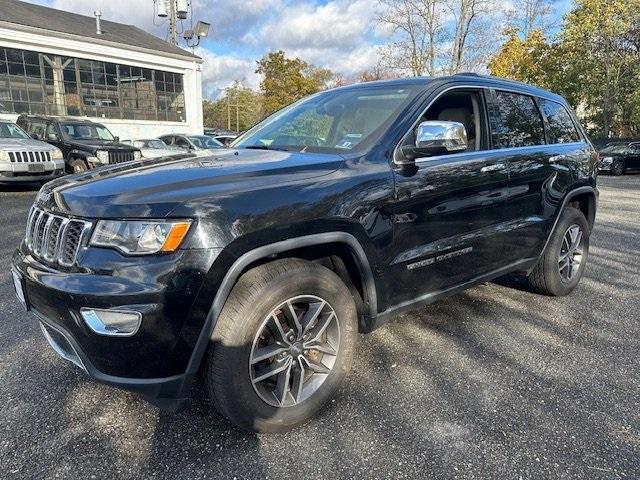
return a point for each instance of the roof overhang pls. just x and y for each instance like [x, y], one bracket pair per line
[80, 38]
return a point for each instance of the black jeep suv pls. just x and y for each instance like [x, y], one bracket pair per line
[84, 144]
[259, 265]
[617, 158]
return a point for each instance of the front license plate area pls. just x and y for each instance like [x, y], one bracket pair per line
[36, 168]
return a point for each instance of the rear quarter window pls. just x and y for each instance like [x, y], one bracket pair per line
[561, 128]
[516, 121]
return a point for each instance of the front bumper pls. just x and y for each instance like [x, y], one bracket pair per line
[22, 176]
[154, 361]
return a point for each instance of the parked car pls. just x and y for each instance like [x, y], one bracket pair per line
[259, 268]
[154, 147]
[617, 158]
[23, 159]
[200, 145]
[223, 136]
[84, 144]
[225, 139]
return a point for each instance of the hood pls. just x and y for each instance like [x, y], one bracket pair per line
[154, 188]
[93, 144]
[24, 144]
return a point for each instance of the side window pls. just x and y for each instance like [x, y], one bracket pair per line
[37, 127]
[51, 129]
[561, 126]
[181, 142]
[465, 107]
[516, 121]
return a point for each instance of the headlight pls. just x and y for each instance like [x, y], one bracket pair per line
[607, 160]
[140, 237]
[4, 156]
[137, 155]
[56, 154]
[103, 156]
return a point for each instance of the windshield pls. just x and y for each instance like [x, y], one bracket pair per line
[204, 141]
[621, 149]
[333, 121]
[86, 131]
[154, 144]
[11, 130]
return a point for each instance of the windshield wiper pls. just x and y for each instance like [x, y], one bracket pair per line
[265, 147]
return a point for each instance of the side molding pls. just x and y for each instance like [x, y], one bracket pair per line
[250, 257]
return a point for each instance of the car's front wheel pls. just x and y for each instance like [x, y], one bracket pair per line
[282, 345]
[77, 166]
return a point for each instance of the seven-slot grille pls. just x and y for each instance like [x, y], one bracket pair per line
[54, 238]
[119, 157]
[29, 157]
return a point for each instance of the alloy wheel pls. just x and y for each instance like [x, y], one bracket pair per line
[294, 350]
[571, 253]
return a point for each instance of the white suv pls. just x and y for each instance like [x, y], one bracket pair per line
[23, 159]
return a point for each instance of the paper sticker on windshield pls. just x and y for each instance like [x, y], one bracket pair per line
[349, 141]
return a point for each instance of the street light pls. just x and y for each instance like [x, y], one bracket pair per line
[201, 30]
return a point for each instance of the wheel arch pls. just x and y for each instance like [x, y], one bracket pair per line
[585, 199]
[298, 247]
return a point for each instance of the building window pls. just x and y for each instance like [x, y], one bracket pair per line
[38, 83]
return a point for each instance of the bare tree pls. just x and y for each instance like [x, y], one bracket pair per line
[418, 26]
[468, 16]
[528, 15]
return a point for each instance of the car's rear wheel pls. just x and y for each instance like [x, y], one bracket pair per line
[282, 345]
[563, 262]
[617, 167]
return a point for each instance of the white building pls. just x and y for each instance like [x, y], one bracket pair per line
[56, 63]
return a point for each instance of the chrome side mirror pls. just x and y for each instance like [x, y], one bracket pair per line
[435, 137]
[441, 137]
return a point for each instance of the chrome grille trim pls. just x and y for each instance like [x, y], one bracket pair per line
[29, 157]
[120, 157]
[55, 238]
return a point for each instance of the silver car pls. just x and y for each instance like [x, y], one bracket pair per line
[200, 145]
[154, 147]
[23, 159]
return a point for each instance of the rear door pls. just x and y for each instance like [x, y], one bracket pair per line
[633, 160]
[539, 155]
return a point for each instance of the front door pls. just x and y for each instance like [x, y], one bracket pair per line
[449, 208]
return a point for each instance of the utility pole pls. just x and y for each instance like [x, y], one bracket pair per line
[173, 23]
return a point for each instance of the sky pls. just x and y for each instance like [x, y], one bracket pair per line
[341, 35]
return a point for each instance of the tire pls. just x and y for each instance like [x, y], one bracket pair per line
[232, 381]
[77, 166]
[617, 167]
[553, 275]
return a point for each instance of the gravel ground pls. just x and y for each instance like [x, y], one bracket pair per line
[493, 383]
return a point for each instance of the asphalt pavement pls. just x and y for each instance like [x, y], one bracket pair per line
[496, 382]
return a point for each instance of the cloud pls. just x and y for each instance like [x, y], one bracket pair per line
[220, 71]
[232, 19]
[338, 34]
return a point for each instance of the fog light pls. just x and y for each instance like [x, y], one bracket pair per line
[114, 323]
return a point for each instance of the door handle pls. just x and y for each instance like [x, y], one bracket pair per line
[496, 167]
[557, 158]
